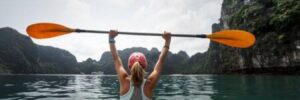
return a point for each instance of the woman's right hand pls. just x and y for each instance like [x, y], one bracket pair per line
[167, 36]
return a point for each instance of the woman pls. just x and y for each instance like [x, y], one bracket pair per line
[134, 86]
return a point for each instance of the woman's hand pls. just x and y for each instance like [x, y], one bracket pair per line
[167, 37]
[113, 33]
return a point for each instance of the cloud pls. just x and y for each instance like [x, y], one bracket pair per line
[179, 16]
[74, 13]
[176, 16]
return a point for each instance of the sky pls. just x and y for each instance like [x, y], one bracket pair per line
[175, 16]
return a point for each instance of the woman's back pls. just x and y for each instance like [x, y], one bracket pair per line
[135, 92]
[135, 86]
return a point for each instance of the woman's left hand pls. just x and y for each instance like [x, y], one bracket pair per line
[113, 33]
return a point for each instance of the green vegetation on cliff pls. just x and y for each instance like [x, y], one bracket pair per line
[18, 54]
[275, 24]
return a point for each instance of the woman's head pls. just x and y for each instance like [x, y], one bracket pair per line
[137, 63]
[137, 57]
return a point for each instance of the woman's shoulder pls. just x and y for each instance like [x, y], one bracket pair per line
[128, 78]
[147, 88]
[125, 86]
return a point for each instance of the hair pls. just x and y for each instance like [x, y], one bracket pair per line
[137, 73]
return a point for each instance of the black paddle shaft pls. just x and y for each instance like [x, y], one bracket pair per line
[144, 34]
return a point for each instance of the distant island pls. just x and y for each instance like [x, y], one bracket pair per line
[276, 51]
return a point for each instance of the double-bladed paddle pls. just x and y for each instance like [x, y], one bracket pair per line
[234, 38]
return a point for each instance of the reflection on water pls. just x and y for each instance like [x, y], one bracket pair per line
[185, 87]
[254, 87]
[58, 87]
[189, 87]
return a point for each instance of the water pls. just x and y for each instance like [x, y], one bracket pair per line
[176, 87]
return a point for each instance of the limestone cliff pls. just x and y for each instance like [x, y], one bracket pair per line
[275, 23]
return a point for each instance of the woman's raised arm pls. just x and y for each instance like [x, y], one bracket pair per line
[121, 72]
[154, 76]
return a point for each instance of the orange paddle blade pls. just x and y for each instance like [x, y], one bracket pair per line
[234, 38]
[47, 30]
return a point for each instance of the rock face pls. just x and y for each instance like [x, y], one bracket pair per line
[172, 64]
[89, 66]
[18, 54]
[275, 23]
[55, 60]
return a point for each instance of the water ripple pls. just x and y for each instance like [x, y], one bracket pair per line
[177, 87]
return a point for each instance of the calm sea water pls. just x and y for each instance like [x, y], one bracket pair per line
[174, 87]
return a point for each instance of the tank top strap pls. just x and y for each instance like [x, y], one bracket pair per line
[142, 87]
[130, 93]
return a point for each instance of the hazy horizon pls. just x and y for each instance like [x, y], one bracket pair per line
[176, 16]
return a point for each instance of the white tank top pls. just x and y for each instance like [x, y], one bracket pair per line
[135, 93]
